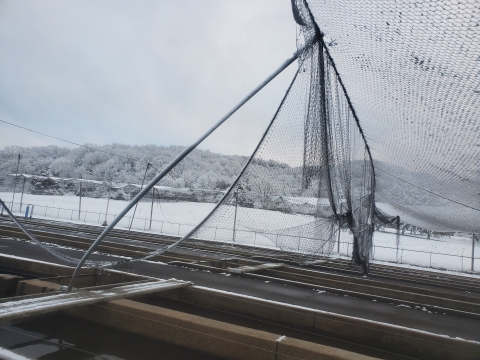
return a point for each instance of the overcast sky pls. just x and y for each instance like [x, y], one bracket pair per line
[141, 72]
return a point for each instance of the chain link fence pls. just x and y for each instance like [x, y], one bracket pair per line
[243, 235]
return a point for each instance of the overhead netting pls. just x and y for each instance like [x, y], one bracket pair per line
[321, 175]
[412, 72]
[382, 119]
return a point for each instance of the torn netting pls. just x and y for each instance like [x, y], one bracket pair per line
[320, 177]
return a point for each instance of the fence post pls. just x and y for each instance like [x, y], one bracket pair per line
[462, 263]
[473, 252]
[339, 229]
[80, 198]
[235, 215]
[430, 259]
[23, 189]
[151, 208]
[46, 208]
[31, 212]
[15, 183]
[108, 203]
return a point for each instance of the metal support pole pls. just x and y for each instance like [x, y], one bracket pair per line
[151, 209]
[235, 216]
[108, 202]
[34, 239]
[15, 183]
[473, 252]
[180, 157]
[21, 198]
[339, 228]
[80, 201]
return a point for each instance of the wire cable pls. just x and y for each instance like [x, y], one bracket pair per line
[68, 141]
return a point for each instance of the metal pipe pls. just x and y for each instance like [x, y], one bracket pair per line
[182, 155]
[34, 239]
[15, 183]
[225, 196]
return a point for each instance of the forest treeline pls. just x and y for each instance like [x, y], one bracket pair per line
[201, 169]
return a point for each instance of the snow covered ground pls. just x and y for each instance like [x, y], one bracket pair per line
[168, 218]
[452, 253]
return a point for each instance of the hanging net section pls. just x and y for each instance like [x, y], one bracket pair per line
[316, 171]
[381, 120]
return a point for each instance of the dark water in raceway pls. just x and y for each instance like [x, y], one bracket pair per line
[57, 336]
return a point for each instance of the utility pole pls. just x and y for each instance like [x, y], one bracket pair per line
[108, 202]
[80, 201]
[15, 183]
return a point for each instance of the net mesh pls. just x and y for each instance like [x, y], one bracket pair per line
[315, 143]
[381, 119]
[412, 71]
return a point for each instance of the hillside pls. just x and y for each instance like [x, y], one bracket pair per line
[202, 169]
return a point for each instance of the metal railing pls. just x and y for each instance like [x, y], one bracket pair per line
[431, 259]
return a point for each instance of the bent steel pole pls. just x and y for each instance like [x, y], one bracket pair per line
[180, 157]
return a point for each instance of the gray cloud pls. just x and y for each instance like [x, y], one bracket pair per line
[143, 72]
